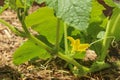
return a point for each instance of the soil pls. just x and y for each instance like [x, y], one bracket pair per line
[9, 42]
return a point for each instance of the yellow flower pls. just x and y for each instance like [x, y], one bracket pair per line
[77, 46]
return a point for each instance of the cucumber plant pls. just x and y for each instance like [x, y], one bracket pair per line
[80, 21]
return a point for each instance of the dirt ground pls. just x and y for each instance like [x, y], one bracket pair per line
[9, 42]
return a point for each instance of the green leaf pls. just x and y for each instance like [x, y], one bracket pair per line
[110, 3]
[97, 11]
[53, 4]
[75, 13]
[44, 22]
[97, 20]
[104, 23]
[41, 16]
[97, 47]
[93, 29]
[28, 51]
[79, 55]
[101, 34]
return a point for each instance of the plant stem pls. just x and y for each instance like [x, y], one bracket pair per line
[4, 8]
[25, 28]
[72, 61]
[99, 65]
[12, 28]
[105, 46]
[40, 43]
[112, 37]
[35, 40]
[21, 16]
[65, 38]
[111, 30]
[57, 34]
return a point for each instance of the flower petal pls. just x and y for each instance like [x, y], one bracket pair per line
[71, 40]
[83, 47]
[76, 46]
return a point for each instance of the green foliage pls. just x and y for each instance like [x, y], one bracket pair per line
[96, 20]
[76, 13]
[27, 51]
[97, 11]
[44, 23]
[97, 24]
[53, 4]
[41, 16]
[79, 55]
[112, 32]
[101, 34]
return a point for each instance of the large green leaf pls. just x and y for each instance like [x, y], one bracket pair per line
[97, 11]
[97, 18]
[53, 4]
[41, 16]
[75, 13]
[28, 51]
[44, 22]
[94, 29]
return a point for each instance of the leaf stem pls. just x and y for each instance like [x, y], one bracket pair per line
[4, 8]
[99, 65]
[12, 28]
[65, 38]
[57, 34]
[21, 16]
[35, 40]
[102, 39]
[40, 43]
[72, 61]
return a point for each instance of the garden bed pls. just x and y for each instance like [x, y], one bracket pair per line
[36, 70]
[64, 63]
